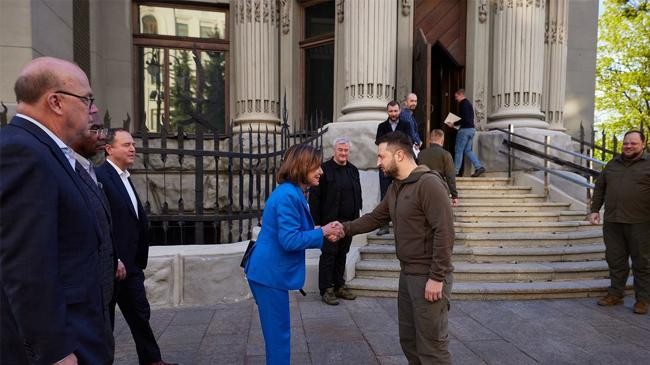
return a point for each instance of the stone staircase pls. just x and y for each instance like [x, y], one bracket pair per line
[510, 244]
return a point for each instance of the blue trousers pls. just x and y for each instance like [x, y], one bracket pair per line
[273, 307]
[464, 148]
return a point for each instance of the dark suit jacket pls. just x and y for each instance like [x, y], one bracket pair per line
[129, 230]
[402, 126]
[50, 298]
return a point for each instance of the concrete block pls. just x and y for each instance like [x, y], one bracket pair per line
[160, 280]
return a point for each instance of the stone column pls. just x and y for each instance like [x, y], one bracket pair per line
[478, 50]
[555, 57]
[370, 43]
[256, 33]
[518, 64]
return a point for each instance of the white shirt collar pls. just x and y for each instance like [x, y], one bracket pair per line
[120, 172]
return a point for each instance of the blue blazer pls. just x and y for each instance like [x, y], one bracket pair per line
[130, 233]
[50, 296]
[278, 260]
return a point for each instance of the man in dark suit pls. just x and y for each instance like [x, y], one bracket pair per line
[130, 236]
[392, 124]
[85, 149]
[50, 293]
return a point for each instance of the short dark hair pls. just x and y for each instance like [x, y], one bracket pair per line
[396, 141]
[110, 137]
[460, 92]
[392, 103]
[297, 162]
[636, 131]
[31, 86]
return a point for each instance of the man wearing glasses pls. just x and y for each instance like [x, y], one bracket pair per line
[51, 300]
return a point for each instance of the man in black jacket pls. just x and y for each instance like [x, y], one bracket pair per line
[337, 197]
[392, 124]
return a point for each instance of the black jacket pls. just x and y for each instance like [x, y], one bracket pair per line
[402, 126]
[325, 199]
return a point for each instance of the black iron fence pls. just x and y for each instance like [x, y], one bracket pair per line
[210, 187]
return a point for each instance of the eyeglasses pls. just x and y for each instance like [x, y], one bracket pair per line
[101, 132]
[86, 99]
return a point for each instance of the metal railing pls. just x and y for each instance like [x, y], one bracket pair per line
[587, 171]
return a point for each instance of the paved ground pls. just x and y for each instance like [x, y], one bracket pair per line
[364, 331]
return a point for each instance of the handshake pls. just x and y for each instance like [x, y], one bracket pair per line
[333, 231]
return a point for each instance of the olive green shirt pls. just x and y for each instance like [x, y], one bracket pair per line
[437, 158]
[624, 188]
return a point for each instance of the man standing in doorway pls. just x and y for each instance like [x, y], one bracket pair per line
[130, 235]
[418, 204]
[437, 158]
[465, 135]
[624, 188]
[392, 124]
[410, 103]
[336, 198]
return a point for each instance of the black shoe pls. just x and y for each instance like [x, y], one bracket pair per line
[479, 172]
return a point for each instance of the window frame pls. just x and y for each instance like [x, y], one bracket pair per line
[312, 42]
[141, 40]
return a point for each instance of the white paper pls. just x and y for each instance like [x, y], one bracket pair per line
[451, 119]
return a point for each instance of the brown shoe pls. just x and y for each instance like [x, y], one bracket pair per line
[345, 293]
[609, 300]
[640, 307]
[329, 297]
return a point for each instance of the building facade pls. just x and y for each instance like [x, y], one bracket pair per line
[527, 62]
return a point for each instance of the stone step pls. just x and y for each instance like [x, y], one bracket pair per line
[573, 215]
[466, 205]
[494, 190]
[530, 239]
[487, 216]
[387, 287]
[498, 272]
[501, 227]
[482, 181]
[589, 252]
[498, 199]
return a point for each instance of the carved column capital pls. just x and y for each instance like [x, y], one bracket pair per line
[406, 7]
[340, 12]
[286, 15]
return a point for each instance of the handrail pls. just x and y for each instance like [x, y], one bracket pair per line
[554, 159]
[575, 154]
[594, 146]
[551, 171]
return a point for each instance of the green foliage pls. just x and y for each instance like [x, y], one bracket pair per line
[623, 66]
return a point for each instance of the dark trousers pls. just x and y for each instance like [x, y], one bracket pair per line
[384, 182]
[623, 241]
[131, 296]
[423, 324]
[331, 266]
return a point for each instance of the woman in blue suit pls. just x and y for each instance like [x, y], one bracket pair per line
[277, 263]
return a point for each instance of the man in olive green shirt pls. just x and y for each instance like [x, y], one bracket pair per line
[624, 187]
[437, 158]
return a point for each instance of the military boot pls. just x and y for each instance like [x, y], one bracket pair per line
[345, 293]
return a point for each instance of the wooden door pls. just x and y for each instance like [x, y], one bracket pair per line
[422, 85]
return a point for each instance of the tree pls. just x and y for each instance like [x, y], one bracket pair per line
[623, 65]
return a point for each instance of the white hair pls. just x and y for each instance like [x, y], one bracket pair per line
[341, 140]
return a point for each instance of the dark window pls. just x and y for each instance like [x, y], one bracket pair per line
[318, 62]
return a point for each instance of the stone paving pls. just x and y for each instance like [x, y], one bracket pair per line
[364, 331]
